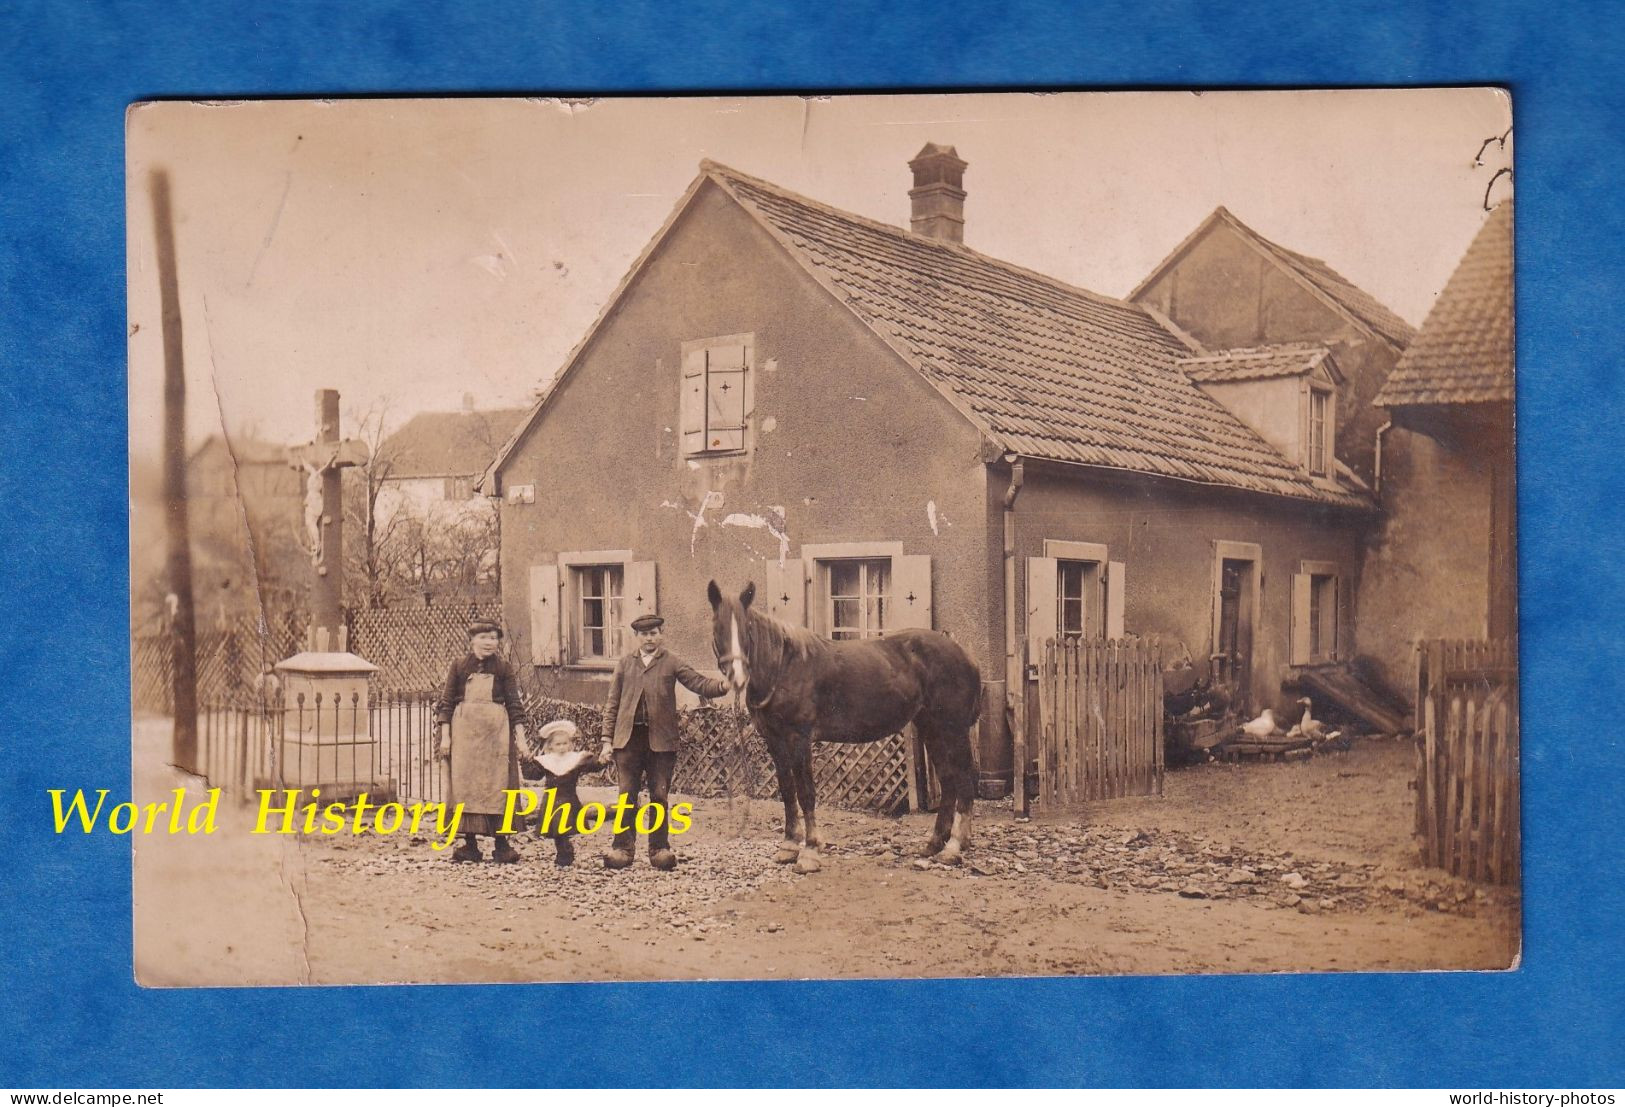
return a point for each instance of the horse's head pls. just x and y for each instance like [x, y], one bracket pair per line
[730, 633]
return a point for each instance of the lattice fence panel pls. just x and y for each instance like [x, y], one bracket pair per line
[230, 658]
[722, 755]
[414, 647]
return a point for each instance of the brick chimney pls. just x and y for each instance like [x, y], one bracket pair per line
[938, 194]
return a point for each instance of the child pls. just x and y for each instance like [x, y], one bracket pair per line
[562, 767]
[480, 716]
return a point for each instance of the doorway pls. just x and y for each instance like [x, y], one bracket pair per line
[1235, 618]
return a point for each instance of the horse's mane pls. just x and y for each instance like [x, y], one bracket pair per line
[775, 646]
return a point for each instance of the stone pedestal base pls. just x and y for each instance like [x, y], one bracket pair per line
[342, 770]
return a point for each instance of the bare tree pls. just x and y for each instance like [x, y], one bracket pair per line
[370, 560]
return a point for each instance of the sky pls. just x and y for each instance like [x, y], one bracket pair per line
[412, 252]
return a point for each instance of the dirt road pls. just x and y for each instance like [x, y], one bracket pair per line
[1257, 868]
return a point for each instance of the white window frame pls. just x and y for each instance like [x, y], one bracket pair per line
[1324, 466]
[703, 346]
[1095, 558]
[614, 581]
[869, 597]
[1319, 455]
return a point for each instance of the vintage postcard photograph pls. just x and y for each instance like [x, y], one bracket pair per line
[839, 537]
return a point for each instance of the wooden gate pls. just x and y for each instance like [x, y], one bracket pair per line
[1467, 754]
[1100, 721]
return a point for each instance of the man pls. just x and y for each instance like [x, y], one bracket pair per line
[640, 726]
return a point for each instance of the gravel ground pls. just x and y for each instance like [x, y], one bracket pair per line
[1252, 868]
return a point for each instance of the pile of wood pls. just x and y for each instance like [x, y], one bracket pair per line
[1196, 715]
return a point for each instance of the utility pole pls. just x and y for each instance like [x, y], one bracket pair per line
[183, 627]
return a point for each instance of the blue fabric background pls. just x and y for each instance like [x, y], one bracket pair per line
[72, 1015]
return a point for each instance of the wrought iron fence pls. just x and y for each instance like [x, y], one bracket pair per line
[383, 744]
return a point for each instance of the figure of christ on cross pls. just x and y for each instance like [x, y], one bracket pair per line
[322, 461]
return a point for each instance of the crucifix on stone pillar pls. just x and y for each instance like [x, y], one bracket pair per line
[325, 735]
[322, 462]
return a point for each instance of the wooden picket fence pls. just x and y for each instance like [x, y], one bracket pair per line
[1100, 720]
[1467, 758]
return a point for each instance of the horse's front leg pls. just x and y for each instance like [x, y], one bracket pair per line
[790, 848]
[808, 860]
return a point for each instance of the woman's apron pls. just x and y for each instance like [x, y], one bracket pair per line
[483, 759]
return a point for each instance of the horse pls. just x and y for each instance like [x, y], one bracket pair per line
[802, 689]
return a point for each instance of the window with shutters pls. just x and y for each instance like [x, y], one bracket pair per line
[1315, 601]
[851, 590]
[581, 606]
[718, 389]
[1073, 592]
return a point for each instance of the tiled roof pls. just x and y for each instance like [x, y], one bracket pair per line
[1353, 298]
[1463, 354]
[1046, 369]
[1256, 362]
[239, 451]
[1349, 297]
[447, 443]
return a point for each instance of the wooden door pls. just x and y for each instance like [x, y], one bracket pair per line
[1233, 653]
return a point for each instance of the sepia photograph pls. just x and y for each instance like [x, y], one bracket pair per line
[779, 537]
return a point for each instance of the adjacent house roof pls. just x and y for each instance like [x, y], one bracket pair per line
[240, 451]
[1255, 363]
[448, 443]
[1044, 369]
[1463, 354]
[1329, 285]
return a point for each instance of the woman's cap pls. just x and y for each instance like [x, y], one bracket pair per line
[483, 626]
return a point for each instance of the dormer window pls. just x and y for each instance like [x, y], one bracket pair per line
[717, 393]
[1319, 439]
[1286, 393]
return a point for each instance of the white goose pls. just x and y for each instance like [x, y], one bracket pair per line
[1261, 727]
[1308, 726]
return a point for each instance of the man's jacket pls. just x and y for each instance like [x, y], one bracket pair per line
[656, 685]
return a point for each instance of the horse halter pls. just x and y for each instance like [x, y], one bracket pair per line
[742, 656]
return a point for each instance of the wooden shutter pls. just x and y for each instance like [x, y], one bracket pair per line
[1043, 584]
[1330, 643]
[693, 401]
[909, 604]
[638, 593]
[784, 590]
[545, 603]
[1301, 583]
[1115, 579]
[725, 397]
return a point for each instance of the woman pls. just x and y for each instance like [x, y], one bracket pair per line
[481, 720]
